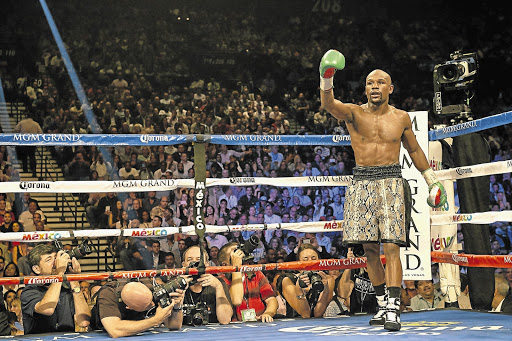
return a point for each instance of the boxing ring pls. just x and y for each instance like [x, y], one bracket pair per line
[436, 325]
[439, 323]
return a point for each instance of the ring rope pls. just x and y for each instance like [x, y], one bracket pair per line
[159, 232]
[103, 186]
[320, 264]
[156, 140]
[480, 261]
[471, 126]
[316, 265]
[312, 227]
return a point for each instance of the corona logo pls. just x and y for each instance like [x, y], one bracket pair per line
[34, 185]
[42, 280]
[459, 259]
[242, 180]
[246, 268]
[154, 138]
[340, 138]
[462, 171]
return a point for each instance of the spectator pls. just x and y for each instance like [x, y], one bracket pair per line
[128, 173]
[150, 201]
[157, 255]
[27, 218]
[136, 211]
[500, 292]
[215, 239]
[230, 198]
[427, 298]
[4, 211]
[78, 169]
[102, 167]
[23, 265]
[28, 153]
[247, 200]
[159, 210]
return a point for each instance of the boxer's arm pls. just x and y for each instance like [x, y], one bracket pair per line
[338, 109]
[412, 146]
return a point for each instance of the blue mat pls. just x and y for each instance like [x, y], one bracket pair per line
[435, 325]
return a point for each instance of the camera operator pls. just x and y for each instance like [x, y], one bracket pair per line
[308, 293]
[124, 310]
[207, 290]
[250, 293]
[53, 307]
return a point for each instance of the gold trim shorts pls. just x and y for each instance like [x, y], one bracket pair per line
[377, 206]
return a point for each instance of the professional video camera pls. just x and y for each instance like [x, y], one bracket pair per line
[196, 314]
[161, 292]
[453, 84]
[315, 279]
[80, 251]
[248, 247]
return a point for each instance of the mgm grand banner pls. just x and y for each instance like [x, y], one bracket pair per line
[416, 257]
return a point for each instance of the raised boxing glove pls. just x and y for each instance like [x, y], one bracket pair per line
[331, 61]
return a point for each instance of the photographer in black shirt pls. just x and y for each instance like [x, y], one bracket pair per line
[50, 306]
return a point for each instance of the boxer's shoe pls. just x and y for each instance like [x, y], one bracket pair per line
[379, 318]
[392, 317]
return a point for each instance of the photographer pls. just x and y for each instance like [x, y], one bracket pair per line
[124, 310]
[53, 307]
[308, 293]
[250, 293]
[354, 288]
[207, 291]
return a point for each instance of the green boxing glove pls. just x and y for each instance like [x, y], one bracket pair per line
[436, 192]
[331, 61]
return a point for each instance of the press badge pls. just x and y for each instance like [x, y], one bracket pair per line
[249, 315]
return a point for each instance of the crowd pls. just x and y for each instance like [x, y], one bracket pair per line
[144, 81]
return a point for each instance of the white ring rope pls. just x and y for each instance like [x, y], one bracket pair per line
[471, 218]
[171, 184]
[159, 232]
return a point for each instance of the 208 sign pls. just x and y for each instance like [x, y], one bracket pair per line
[327, 6]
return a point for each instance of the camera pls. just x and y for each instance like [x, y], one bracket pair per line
[248, 247]
[161, 292]
[454, 80]
[315, 279]
[194, 277]
[196, 314]
[80, 251]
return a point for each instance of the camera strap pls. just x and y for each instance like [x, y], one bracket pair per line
[200, 195]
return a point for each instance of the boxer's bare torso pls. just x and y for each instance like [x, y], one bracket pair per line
[376, 128]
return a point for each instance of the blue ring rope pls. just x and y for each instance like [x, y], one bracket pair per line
[248, 140]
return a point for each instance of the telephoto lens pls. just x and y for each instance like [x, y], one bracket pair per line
[161, 292]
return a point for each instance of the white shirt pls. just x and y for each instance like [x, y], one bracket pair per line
[27, 219]
[232, 200]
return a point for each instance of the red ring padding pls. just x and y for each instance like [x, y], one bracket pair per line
[480, 261]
